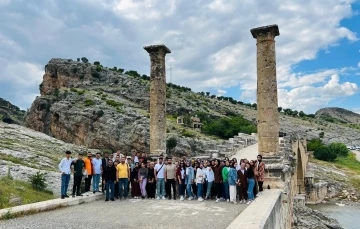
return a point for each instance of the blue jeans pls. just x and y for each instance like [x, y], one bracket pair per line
[123, 182]
[226, 191]
[110, 185]
[182, 188]
[160, 187]
[96, 181]
[65, 179]
[208, 191]
[188, 190]
[200, 190]
[250, 191]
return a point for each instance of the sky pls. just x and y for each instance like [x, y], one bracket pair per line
[317, 52]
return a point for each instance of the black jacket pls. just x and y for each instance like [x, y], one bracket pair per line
[109, 173]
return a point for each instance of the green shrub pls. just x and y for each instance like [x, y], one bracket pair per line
[38, 181]
[79, 92]
[113, 103]
[98, 68]
[314, 143]
[325, 154]
[95, 75]
[339, 149]
[187, 134]
[96, 63]
[89, 102]
[171, 143]
[84, 60]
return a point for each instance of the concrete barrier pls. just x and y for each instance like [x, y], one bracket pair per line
[47, 205]
[263, 213]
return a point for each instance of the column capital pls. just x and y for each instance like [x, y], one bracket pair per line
[264, 31]
[157, 48]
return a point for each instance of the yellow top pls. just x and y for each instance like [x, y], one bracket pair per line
[123, 170]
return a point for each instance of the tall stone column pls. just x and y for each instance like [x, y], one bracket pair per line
[157, 98]
[267, 98]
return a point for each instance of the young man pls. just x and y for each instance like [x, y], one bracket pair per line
[78, 169]
[109, 174]
[123, 177]
[65, 170]
[89, 169]
[96, 162]
[160, 179]
[104, 163]
[170, 171]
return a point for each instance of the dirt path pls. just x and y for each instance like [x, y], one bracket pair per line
[249, 153]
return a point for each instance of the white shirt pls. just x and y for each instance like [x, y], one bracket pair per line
[136, 159]
[238, 167]
[210, 175]
[182, 174]
[160, 172]
[65, 165]
[97, 165]
[199, 176]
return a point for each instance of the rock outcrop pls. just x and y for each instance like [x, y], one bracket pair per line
[336, 114]
[10, 113]
[306, 218]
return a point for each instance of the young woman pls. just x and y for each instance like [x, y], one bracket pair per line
[200, 181]
[218, 180]
[194, 186]
[260, 168]
[180, 176]
[150, 186]
[209, 175]
[251, 182]
[225, 177]
[134, 178]
[189, 179]
[143, 174]
[253, 167]
[232, 182]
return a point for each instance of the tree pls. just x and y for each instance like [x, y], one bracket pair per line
[84, 60]
[213, 96]
[38, 181]
[279, 109]
[171, 143]
[207, 93]
[78, 59]
[325, 154]
[254, 105]
[311, 115]
[339, 149]
[302, 114]
[294, 113]
[96, 63]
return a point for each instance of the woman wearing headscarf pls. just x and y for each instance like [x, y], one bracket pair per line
[218, 179]
[232, 182]
[225, 177]
[134, 178]
[251, 182]
[180, 176]
[189, 179]
[143, 174]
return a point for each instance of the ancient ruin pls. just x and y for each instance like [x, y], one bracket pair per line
[157, 98]
[267, 98]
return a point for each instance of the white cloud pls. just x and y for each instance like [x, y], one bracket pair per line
[359, 65]
[220, 92]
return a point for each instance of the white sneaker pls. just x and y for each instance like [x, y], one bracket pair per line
[163, 198]
[249, 202]
[259, 194]
[190, 198]
[227, 200]
[181, 198]
[217, 200]
[158, 198]
[200, 199]
[234, 202]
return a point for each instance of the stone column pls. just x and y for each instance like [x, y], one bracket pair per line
[157, 98]
[267, 98]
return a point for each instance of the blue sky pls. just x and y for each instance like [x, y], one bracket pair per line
[318, 50]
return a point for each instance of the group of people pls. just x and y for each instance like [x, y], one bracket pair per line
[227, 180]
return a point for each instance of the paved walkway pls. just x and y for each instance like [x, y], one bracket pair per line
[249, 153]
[132, 213]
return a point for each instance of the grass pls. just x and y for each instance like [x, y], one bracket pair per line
[349, 162]
[20, 189]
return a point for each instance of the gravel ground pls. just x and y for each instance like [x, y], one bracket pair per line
[133, 213]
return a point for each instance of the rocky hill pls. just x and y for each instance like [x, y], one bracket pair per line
[98, 107]
[336, 114]
[10, 113]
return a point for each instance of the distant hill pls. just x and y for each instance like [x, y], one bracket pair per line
[10, 113]
[338, 115]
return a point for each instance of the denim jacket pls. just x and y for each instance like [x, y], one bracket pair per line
[190, 176]
[232, 176]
